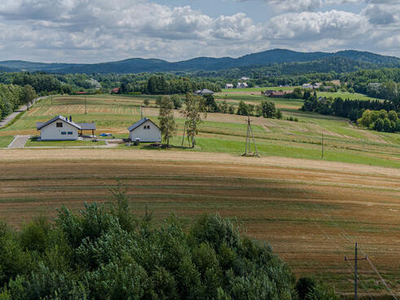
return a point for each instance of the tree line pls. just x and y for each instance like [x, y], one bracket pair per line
[13, 96]
[380, 120]
[106, 252]
[352, 109]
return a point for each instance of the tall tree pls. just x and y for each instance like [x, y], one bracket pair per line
[194, 112]
[167, 120]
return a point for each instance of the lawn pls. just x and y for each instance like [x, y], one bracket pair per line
[5, 140]
[35, 143]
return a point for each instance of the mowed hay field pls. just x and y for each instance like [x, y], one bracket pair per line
[225, 133]
[310, 212]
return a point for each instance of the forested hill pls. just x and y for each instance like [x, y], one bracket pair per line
[354, 59]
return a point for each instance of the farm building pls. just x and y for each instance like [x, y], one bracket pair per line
[203, 92]
[146, 131]
[229, 86]
[63, 129]
[276, 94]
[242, 85]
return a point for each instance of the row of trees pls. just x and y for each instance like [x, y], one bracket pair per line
[12, 96]
[352, 109]
[194, 112]
[105, 252]
[380, 120]
[265, 109]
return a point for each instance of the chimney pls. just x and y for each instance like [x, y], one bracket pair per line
[70, 118]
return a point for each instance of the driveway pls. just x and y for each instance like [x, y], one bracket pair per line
[19, 141]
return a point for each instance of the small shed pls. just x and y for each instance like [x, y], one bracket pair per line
[146, 131]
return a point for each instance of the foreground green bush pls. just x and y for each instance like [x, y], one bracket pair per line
[105, 253]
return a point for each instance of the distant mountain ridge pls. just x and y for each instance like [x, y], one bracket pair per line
[266, 58]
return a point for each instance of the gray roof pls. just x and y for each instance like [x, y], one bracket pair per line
[41, 125]
[87, 126]
[140, 122]
[80, 126]
[203, 92]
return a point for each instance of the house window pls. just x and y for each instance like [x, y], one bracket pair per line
[146, 127]
[59, 124]
[63, 133]
[70, 133]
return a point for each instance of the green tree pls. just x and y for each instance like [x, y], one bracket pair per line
[146, 102]
[166, 118]
[278, 114]
[176, 99]
[243, 109]
[194, 113]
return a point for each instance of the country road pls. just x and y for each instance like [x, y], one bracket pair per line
[23, 108]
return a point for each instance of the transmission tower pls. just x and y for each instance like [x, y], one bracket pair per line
[249, 138]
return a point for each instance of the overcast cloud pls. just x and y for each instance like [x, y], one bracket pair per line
[102, 30]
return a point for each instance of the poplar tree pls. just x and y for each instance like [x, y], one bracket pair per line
[167, 120]
[194, 113]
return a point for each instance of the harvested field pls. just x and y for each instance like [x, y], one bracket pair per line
[310, 212]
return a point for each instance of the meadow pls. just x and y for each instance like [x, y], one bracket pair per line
[310, 209]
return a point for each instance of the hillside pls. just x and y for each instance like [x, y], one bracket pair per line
[354, 60]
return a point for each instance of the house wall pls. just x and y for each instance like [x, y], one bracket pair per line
[151, 135]
[53, 133]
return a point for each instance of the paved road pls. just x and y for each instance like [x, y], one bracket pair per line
[19, 141]
[11, 117]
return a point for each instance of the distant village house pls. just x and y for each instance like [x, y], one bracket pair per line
[229, 86]
[242, 85]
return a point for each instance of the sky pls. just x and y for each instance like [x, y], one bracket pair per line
[91, 31]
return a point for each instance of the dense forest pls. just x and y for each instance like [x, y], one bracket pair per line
[105, 252]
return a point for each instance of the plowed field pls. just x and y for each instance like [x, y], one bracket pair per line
[310, 212]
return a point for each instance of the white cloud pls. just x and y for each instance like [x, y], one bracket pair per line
[99, 30]
[317, 25]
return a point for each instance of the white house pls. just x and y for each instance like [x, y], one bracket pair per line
[62, 129]
[229, 86]
[242, 85]
[146, 131]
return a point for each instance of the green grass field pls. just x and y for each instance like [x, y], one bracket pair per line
[223, 132]
[34, 143]
[5, 140]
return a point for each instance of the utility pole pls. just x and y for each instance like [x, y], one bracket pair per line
[322, 144]
[355, 269]
[85, 106]
[141, 112]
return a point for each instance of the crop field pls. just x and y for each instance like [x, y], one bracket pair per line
[310, 209]
[310, 212]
